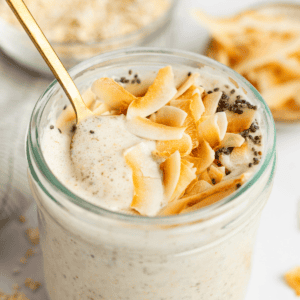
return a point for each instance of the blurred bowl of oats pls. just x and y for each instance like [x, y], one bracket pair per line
[262, 43]
[82, 29]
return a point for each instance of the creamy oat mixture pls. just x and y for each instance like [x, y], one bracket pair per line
[89, 21]
[173, 150]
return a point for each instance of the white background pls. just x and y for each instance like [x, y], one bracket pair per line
[278, 244]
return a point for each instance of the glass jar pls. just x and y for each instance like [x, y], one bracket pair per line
[93, 253]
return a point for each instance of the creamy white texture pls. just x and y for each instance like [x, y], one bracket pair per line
[88, 256]
[102, 177]
[97, 153]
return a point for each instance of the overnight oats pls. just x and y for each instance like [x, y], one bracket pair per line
[158, 195]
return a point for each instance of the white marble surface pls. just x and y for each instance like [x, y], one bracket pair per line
[278, 245]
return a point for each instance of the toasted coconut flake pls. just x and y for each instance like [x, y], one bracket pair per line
[159, 93]
[232, 140]
[204, 176]
[187, 175]
[186, 85]
[208, 197]
[147, 129]
[153, 117]
[222, 123]
[192, 90]
[239, 156]
[203, 157]
[190, 186]
[170, 116]
[171, 172]
[222, 169]
[189, 122]
[148, 189]
[112, 93]
[238, 123]
[166, 148]
[215, 174]
[199, 187]
[96, 104]
[211, 102]
[68, 114]
[278, 95]
[101, 109]
[196, 106]
[213, 129]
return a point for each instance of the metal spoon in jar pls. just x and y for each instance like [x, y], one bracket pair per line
[43, 46]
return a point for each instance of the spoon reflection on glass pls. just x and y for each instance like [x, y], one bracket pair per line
[43, 46]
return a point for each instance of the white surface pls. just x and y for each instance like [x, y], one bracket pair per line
[278, 244]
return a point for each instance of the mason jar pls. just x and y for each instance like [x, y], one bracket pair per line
[93, 253]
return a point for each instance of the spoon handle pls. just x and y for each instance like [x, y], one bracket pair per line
[41, 43]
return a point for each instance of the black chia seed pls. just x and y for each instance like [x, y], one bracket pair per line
[129, 72]
[73, 129]
[65, 107]
[255, 161]
[92, 131]
[223, 150]
[238, 185]
[51, 127]
[189, 74]
[59, 130]
[213, 180]
[216, 89]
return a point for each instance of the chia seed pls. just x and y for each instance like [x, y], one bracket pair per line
[226, 151]
[92, 131]
[189, 74]
[51, 127]
[73, 129]
[255, 161]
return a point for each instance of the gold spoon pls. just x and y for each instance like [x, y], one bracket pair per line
[41, 43]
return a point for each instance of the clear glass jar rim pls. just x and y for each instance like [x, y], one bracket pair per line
[33, 143]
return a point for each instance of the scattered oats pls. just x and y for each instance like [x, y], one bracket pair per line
[23, 260]
[33, 285]
[22, 219]
[15, 296]
[30, 252]
[33, 235]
